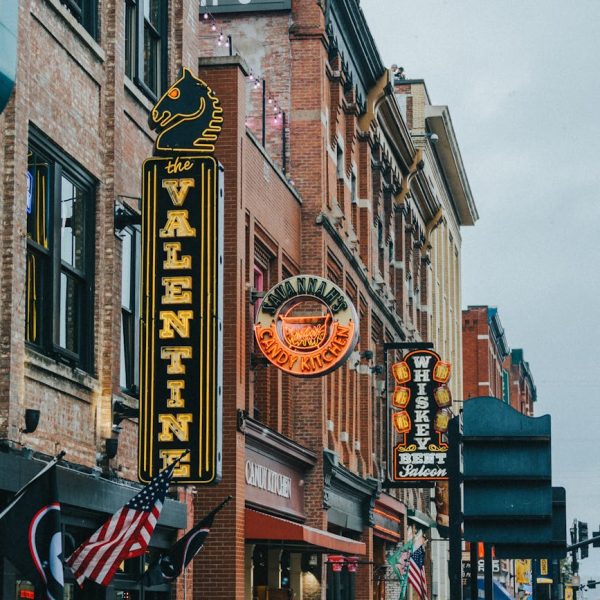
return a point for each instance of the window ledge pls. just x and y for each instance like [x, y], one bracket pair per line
[138, 95]
[81, 32]
[47, 371]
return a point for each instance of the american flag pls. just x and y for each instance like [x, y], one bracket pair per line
[125, 535]
[416, 572]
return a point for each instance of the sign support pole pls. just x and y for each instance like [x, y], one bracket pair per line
[474, 571]
[488, 583]
[455, 558]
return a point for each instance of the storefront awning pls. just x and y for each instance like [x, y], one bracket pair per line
[499, 591]
[420, 518]
[260, 526]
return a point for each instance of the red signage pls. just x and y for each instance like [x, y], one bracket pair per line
[306, 326]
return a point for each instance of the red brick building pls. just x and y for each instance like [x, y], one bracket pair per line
[484, 351]
[491, 368]
[522, 390]
[321, 177]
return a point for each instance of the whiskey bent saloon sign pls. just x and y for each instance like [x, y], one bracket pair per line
[306, 326]
[420, 411]
[182, 288]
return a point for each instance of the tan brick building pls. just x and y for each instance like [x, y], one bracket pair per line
[322, 177]
[433, 134]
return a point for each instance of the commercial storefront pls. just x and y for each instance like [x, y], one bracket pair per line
[389, 518]
[87, 500]
[284, 556]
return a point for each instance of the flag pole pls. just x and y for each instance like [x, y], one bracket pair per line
[178, 459]
[19, 493]
[214, 511]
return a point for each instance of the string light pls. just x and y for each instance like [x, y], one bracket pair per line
[255, 80]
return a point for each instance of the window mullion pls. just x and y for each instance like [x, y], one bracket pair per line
[139, 42]
[53, 310]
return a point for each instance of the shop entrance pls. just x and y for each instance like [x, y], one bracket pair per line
[271, 574]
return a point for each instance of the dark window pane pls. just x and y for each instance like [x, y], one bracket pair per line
[72, 225]
[58, 294]
[152, 12]
[86, 13]
[68, 313]
[145, 43]
[37, 201]
[130, 314]
[126, 271]
[34, 297]
[151, 60]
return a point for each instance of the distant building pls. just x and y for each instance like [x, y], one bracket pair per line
[484, 351]
[521, 387]
[491, 368]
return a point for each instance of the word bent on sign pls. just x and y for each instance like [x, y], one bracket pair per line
[182, 257]
[306, 326]
[420, 411]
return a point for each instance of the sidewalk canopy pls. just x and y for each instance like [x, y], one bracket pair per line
[263, 527]
[499, 591]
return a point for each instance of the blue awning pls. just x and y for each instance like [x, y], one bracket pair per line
[500, 592]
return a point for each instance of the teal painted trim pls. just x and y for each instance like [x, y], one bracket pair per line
[8, 49]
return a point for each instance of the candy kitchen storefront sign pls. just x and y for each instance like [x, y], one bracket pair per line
[182, 288]
[306, 326]
[420, 411]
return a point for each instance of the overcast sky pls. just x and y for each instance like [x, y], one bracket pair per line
[522, 81]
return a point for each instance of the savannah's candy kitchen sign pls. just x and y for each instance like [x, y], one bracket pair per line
[420, 411]
[182, 288]
[306, 326]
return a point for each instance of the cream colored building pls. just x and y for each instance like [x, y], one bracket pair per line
[442, 169]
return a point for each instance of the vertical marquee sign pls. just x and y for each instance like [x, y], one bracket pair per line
[182, 288]
[420, 411]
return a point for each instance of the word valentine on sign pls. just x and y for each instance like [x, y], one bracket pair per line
[181, 331]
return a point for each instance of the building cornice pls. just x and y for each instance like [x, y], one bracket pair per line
[450, 160]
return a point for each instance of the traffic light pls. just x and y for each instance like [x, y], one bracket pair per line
[592, 584]
[583, 535]
[573, 532]
[596, 534]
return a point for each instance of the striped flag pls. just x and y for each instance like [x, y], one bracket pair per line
[30, 534]
[125, 535]
[171, 563]
[416, 572]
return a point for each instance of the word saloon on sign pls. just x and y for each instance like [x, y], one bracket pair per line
[181, 323]
[420, 414]
[306, 326]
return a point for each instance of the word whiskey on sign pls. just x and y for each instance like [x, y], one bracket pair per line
[182, 281]
[420, 411]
